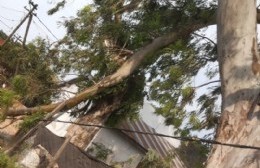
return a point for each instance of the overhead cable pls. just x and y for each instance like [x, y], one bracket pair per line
[181, 138]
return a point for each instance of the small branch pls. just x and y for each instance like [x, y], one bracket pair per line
[215, 81]
[70, 82]
[63, 90]
[204, 37]
[76, 80]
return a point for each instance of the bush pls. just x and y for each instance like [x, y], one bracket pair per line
[153, 160]
[6, 161]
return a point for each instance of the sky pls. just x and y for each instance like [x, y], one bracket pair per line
[12, 11]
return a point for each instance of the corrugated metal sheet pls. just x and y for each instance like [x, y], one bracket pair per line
[71, 157]
[159, 144]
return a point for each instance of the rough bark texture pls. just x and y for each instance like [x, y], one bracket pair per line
[240, 86]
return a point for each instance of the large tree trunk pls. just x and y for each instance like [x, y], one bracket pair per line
[239, 122]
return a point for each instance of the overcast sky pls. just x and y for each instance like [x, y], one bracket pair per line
[12, 11]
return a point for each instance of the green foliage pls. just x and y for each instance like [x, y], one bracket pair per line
[31, 121]
[57, 7]
[153, 160]
[132, 100]
[100, 151]
[193, 154]
[170, 79]
[19, 84]
[171, 70]
[28, 71]
[6, 161]
[194, 121]
[187, 94]
[7, 97]
[100, 32]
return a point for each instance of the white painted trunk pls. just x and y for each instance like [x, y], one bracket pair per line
[240, 87]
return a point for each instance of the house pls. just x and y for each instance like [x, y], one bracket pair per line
[118, 147]
[71, 156]
[128, 148]
[108, 147]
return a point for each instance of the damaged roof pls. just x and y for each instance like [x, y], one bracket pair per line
[159, 144]
[71, 156]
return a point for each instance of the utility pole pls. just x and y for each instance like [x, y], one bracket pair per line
[27, 29]
[30, 13]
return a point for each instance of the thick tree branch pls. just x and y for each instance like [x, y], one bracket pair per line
[124, 71]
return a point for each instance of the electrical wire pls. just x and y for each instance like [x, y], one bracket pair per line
[13, 20]
[40, 29]
[46, 28]
[10, 29]
[5, 24]
[11, 9]
[191, 139]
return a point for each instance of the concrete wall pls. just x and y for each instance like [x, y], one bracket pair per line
[123, 149]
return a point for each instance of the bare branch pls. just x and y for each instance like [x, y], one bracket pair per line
[204, 37]
[205, 84]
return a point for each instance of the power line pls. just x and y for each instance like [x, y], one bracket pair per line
[5, 24]
[191, 139]
[40, 29]
[11, 9]
[47, 28]
[13, 20]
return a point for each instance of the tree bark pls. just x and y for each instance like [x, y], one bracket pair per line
[239, 124]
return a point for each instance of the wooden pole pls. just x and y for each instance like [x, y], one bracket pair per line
[27, 29]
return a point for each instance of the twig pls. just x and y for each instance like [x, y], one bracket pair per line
[204, 84]
[205, 38]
